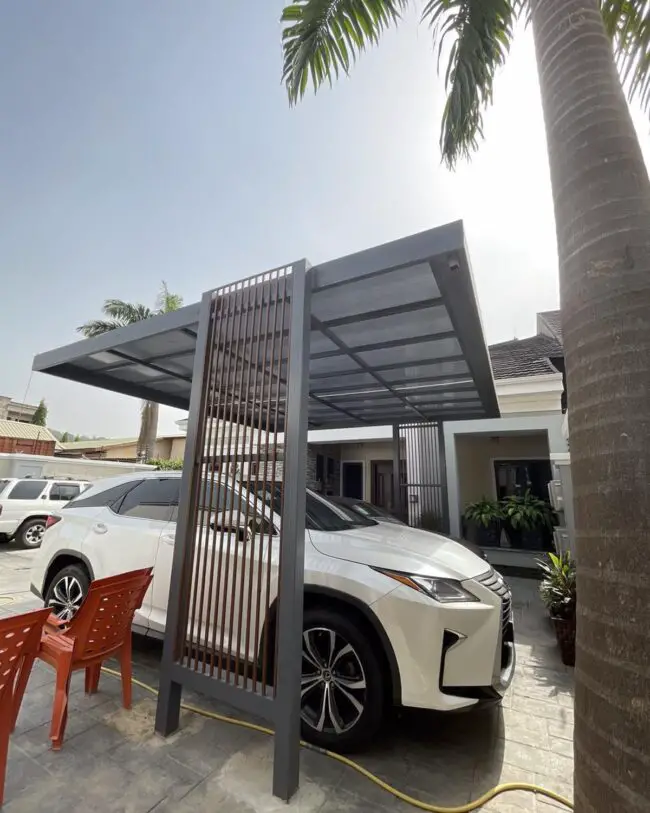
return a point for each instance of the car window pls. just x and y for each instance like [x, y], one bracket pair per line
[320, 514]
[101, 496]
[152, 499]
[64, 491]
[213, 499]
[357, 518]
[27, 490]
[370, 510]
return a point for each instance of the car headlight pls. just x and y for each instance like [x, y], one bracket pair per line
[446, 591]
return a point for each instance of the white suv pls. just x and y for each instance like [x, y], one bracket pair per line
[25, 505]
[395, 614]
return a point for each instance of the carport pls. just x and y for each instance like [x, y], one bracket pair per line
[390, 335]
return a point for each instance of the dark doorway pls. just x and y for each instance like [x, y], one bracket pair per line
[352, 480]
[516, 477]
[513, 479]
[381, 490]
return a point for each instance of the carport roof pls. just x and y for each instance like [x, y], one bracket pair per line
[396, 337]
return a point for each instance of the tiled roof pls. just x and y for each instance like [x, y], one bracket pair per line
[24, 431]
[522, 357]
[553, 322]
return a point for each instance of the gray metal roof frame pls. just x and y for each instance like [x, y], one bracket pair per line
[396, 336]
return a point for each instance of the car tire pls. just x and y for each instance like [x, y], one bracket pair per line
[342, 691]
[67, 590]
[30, 533]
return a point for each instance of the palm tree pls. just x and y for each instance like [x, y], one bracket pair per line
[118, 314]
[601, 196]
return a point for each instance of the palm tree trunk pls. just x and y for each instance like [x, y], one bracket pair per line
[601, 195]
[146, 446]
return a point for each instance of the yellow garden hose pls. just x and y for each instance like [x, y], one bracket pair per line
[466, 808]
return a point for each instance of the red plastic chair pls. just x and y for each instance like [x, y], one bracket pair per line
[101, 629]
[20, 637]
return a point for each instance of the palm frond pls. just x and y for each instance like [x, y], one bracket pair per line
[167, 302]
[126, 312]
[628, 25]
[322, 37]
[481, 32]
[97, 327]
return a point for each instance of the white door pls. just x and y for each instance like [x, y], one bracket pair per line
[219, 605]
[126, 537]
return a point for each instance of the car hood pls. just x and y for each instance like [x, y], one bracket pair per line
[408, 550]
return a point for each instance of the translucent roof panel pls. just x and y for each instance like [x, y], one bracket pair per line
[396, 336]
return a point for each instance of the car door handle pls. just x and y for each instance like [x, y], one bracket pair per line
[168, 539]
[100, 528]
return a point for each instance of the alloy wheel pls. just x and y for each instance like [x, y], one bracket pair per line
[333, 685]
[67, 597]
[33, 535]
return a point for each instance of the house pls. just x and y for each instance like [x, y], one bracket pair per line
[15, 410]
[26, 438]
[446, 467]
[168, 447]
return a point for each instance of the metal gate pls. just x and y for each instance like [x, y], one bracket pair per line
[234, 620]
[423, 477]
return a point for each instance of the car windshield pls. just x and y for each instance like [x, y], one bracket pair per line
[321, 514]
[3, 485]
[370, 510]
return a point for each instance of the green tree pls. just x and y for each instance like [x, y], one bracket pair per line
[65, 437]
[601, 196]
[40, 416]
[119, 313]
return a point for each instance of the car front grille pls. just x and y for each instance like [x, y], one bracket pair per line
[495, 582]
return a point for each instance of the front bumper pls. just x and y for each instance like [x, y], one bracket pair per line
[451, 656]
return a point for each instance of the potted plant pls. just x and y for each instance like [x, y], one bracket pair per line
[558, 592]
[483, 520]
[527, 520]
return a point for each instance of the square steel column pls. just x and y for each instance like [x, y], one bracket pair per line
[169, 697]
[286, 759]
[397, 486]
[442, 476]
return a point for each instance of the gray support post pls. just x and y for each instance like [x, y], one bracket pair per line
[286, 758]
[441, 465]
[169, 698]
[397, 490]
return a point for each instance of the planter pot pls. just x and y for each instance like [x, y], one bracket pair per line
[526, 539]
[482, 536]
[565, 632]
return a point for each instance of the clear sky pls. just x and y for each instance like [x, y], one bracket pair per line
[142, 141]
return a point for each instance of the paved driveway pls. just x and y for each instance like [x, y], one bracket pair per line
[111, 760]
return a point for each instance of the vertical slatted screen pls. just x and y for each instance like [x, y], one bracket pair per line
[233, 527]
[424, 491]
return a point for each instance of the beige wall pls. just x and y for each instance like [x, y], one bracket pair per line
[476, 453]
[165, 449]
[177, 451]
[126, 452]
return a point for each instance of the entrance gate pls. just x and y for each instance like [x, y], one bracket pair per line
[423, 479]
